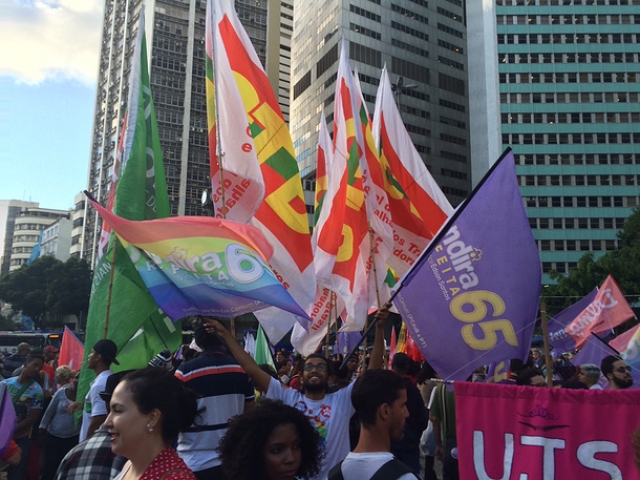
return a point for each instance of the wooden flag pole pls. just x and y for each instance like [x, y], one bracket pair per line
[375, 276]
[545, 338]
[328, 336]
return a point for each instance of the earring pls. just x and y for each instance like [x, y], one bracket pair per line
[149, 428]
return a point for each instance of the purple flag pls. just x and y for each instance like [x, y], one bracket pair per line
[347, 341]
[593, 351]
[7, 418]
[472, 296]
[558, 338]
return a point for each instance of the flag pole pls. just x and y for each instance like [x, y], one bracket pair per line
[113, 268]
[328, 336]
[545, 338]
[375, 276]
[219, 151]
[111, 273]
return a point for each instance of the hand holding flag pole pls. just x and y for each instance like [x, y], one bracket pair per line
[381, 316]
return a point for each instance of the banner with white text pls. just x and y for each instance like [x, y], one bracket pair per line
[513, 433]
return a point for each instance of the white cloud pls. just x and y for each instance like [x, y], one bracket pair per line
[51, 39]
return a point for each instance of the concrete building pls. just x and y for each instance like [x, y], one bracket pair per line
[569, 86]
[424, 43]
[175, 44]
[77, 219]
[56, 239]
[9, 210]
[28, 224]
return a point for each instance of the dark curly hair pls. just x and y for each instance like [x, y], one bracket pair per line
[153, 388]
[242, 446]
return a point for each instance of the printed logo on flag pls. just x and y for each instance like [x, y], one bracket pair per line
[453, 264]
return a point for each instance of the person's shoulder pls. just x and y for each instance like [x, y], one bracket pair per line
[181, 475]
[36, 388]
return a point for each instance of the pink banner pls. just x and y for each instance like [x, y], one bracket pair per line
[609, 309]
[514, 433]
[621, 342]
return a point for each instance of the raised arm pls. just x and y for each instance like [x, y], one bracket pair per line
[377, 353]
[246, 361]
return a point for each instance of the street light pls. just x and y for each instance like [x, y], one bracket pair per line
[398, 88]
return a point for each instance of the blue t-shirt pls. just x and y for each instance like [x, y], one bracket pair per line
[31, 398]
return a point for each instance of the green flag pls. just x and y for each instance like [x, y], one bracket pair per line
[121, 307]
[263, 351]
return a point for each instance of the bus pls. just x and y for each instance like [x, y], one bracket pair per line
[9, 341]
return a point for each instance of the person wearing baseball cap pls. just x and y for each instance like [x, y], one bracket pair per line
[94, 458]
[48, 371]
[94, 413]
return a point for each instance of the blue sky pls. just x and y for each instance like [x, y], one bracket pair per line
[48, 68]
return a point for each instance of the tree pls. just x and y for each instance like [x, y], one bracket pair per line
[591, 272]
[69, 291]
[48, 289]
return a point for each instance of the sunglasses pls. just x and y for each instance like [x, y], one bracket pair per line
[310, 367]
[623, 369]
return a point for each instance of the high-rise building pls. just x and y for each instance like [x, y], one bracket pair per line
[56, 239]
[569, 100]
[9, 210]
[175, 43]
[27, 226]
[424, 46]
[77, 217]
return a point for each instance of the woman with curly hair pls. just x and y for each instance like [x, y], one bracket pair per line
[271, 442]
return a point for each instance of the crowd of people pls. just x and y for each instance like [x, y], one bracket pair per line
[217, 414]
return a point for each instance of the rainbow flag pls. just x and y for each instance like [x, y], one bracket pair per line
[416, 204]
[202, 265]
[237, 74]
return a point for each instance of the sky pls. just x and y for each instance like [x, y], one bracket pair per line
[49, 51]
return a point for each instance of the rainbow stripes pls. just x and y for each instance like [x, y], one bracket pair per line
[202, 266]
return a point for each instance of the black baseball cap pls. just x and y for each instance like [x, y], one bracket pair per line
[108, 349]
[112, 382]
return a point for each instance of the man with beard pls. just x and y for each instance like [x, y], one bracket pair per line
[380, 401]
[328, 412]
[617, 372]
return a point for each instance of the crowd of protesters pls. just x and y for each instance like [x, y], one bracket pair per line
[217, 414]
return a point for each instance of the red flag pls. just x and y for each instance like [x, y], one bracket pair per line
[416, 204]
[282, 215]
[343, 248]
[609, 309]
[71, 350]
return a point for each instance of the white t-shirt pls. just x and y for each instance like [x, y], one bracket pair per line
[93, 404]
[330, 416]
[362, 466]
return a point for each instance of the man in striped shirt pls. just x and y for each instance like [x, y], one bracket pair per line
[224, 390]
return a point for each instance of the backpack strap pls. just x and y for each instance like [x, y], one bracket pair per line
[391, 470]
[19, 393]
